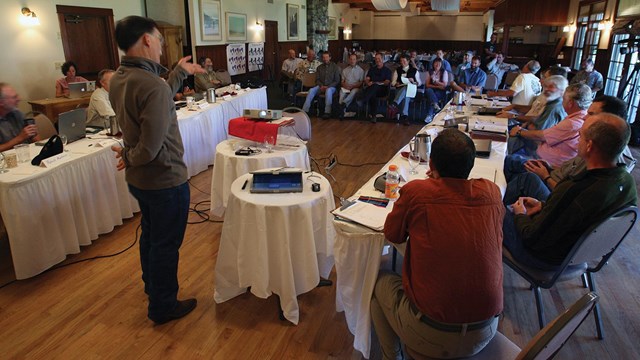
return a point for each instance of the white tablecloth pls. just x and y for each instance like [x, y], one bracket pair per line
[229, 165]
[50, 213]
[358, 249]
[275, 243]
[203, 129]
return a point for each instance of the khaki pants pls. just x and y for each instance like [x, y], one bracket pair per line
[395, 321]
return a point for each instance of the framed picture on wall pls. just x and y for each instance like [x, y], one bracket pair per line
[236, 27]
[210, 20]
[293, 20]
[332, 28]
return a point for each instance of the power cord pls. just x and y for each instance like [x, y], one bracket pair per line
[202, 213]
[135, 240]
[195, 187]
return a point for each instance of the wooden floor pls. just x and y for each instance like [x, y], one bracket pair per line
[97, 309]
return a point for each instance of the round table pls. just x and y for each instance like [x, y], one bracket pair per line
[276, 243]
[288, 152]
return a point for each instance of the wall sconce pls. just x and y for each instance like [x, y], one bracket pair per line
[571, 27]
[565, 28]
[29, 17]
[346, 31]
[259, 26]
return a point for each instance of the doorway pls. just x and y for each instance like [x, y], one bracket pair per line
[93, 55]
[270, 50]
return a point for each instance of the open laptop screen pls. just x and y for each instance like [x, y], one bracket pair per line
[278, 182]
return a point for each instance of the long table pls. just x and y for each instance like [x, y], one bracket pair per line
[358, 250]
[50, 213]
[203, 129]
[53, 107]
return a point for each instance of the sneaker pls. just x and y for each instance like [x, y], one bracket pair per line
[183, 307]
[436, 107]
[428, 119]
[350, 114]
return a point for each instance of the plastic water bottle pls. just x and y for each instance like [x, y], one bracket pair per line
[391, 184]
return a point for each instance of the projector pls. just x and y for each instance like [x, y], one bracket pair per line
[262, 114]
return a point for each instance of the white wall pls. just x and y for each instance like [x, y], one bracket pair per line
[30, 53]
[169, 11]
[423, 27]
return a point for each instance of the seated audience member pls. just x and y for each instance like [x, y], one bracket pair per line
[209, 79]
[376, 84]
[99, 106]
[445, 64]
[69, 70]
[472, 78]
[13, 129]
[542, 234]
[308, 65]
[558, 143]
[540, 178]
[288, 71]
[489, 50]
[327, 79]
[499, 68]
[530, 112]
[408, 72]
[186, 89]
[552, 113]
[352, 80]
[464, 65]
[435, 84]
[525, 87]
[587, 75]
[439, 307]
[413, 61]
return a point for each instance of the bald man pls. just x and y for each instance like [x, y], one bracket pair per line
[540, 234]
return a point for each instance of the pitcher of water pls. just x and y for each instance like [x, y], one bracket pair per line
[422, 145]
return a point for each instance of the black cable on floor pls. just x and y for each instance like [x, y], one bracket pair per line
[135, 240]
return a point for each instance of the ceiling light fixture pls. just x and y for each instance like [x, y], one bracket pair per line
[29, 17]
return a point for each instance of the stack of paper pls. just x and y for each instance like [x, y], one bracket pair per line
[366, 214]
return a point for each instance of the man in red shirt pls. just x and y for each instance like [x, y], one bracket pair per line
[447, 301]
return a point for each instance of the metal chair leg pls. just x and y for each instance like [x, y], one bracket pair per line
[585, 284]
[539, 307]
[596, 309]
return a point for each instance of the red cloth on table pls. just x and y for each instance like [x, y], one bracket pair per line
[246, 128]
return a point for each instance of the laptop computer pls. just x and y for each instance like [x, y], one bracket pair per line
[489, 110]
[73, 124]
[276, 182]
[80, 89]
[483, 147]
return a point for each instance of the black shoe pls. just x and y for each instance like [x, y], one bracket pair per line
[326, 116]
[183, 307]
[404, 119]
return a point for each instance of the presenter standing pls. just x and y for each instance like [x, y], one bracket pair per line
[152, 159]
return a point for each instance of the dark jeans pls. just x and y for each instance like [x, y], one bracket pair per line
[435, 97]
[513, 242]
[514, 164]
[369, 94]
[525, 184]
[163, 223]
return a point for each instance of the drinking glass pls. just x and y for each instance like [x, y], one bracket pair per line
[414, 160]
[269, 142]
[24, 154]
[64, 140]
[3, 164]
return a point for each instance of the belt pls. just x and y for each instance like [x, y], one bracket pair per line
[447, 327]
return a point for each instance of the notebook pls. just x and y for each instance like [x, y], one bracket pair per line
[276, 181]
[73, 124]
[80, 89]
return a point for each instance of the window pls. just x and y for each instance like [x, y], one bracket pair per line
[622, 67]
[587, 36]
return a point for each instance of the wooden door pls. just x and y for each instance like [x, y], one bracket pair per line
[271, 50]
[88, 38]
[172, 49]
